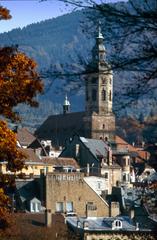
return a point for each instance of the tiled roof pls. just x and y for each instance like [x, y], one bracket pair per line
[24, 137]
[121, 143]
[61, 162]
[135, 152]
[97, 147]
[30, 155]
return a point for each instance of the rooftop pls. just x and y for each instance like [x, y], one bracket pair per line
[102, 224]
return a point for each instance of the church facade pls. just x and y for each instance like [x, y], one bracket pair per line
[98, 120]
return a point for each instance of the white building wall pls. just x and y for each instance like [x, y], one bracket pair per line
[98, 184]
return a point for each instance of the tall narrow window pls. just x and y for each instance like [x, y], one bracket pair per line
[103, 95]
[87, 97]
[59, 207]
[103, 80]
[94, 95]
[110, 96]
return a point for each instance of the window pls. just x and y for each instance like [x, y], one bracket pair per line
[124, 177]
[33, 207]
[94, 93]
[103, 95]
[69, 206]
[101, 57]
[59, 207]
[103, 80]
[106, 139]
[87, 97]
[110, 96]
[118, 224]
[99, 185]
[38, 206]
[106, 175]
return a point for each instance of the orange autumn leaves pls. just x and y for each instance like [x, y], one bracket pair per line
[4, 13]
[19, 81]
[8, 151]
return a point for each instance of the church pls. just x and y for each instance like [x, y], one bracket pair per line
[98, 120]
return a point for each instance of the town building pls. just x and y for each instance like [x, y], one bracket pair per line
[94, 157]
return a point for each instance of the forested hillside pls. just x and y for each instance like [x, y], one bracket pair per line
[60, 45]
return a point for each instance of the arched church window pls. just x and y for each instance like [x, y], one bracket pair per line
[110, 96]
[94, 93]
[106, 139]
[103, 126]
[103, 80]
[103, 95]
[101, 57]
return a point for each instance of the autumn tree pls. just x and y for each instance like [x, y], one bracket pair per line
[19, 83]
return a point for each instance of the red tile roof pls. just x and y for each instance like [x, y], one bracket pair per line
[61, 161]
[30, 155]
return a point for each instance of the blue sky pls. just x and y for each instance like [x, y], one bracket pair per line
[25, 12]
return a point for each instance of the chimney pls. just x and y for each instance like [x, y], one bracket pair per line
[137, 226]
[48, 218]
[77, 150]
[78, 224]
[114, 209]
[85, 225]
[132, 213]
[88, 169]
[42, 186]
[109, 156]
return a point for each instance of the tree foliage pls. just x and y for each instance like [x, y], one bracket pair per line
[19, 83]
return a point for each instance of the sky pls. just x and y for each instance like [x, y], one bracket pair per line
[25, 12]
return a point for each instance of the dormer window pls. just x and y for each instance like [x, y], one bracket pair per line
[117, 224]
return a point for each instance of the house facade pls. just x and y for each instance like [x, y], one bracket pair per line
[69, 192]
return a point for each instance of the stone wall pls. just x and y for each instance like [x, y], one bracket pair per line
[70, 187]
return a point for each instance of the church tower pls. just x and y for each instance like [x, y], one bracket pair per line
[99, 119]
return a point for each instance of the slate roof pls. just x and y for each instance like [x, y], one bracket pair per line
[97, 147]
[102, 224]
[27, 189]
[59, 127]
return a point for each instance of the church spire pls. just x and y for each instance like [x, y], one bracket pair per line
[66, 105]
[100, 36]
